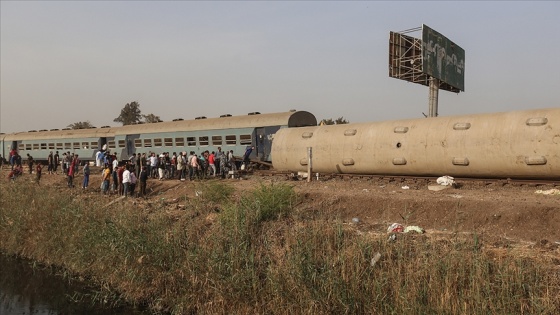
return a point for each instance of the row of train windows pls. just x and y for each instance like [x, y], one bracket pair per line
[58, 146]
[192, 141]
[142, 143]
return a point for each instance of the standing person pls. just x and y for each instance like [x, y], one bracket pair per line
[211, 162]
[70, 175]
[231, 161]
[120, 174]
[153, 165]
[50, 162]
[38, 170]
[13, 154]
[180, 165]
[217, 161]
[202, 166]
[161, 166]
[98, 158]
[85, 183]
[133, 180]
[173, 164]
[125, 181]
[106, 178]
[223, 162]
[63, 164]
[140, 161]
[143, 181]
[30, 163]
[247, 155]
[56, 162]
[115, 179]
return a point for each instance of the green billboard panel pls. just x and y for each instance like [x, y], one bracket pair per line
[442, 58]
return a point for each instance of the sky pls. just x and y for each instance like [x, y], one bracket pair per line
[63, 62]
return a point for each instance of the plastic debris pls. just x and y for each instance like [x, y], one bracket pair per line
[445, 180]
[375, 259]
[395, 228]
[548, 192]
[392, 237]
[414, 228]
[355, 220]
[405, 187]
[399, 228]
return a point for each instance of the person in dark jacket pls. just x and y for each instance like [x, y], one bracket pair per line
[143, 180]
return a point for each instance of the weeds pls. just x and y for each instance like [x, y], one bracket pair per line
[260, 254]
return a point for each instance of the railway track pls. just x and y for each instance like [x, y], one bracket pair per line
[413, 179]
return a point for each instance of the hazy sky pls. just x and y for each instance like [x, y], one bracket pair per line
[69, 61]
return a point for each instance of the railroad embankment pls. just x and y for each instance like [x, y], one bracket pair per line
[213, 247]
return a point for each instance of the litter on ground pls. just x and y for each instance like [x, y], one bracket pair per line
[548, 192]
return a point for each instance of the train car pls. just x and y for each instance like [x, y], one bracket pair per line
[38, 144]
[229, 132]
[518, 144]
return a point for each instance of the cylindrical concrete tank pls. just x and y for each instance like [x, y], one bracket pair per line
[519, 144]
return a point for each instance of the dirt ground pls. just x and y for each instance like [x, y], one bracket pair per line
[504, 215]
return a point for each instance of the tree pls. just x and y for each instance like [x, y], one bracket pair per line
[130, 114]
[330, 121]
[81, 125]
[151, 118]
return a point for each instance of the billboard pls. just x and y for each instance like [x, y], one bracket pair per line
[434, 56]
[442, 58]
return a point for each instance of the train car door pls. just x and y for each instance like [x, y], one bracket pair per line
[130, 147]
[102, 144]
[260, 143]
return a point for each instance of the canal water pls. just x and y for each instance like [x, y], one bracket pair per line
[25, 290]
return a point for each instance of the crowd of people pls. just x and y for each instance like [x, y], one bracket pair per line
[121, 176]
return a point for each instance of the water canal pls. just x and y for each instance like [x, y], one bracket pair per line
[29, 290]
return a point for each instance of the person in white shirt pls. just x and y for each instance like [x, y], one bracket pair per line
[126, 181]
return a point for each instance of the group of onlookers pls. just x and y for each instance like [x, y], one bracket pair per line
[122, 177]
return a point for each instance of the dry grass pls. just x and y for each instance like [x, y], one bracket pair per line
[260, 254]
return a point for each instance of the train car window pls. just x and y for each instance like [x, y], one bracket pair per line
[147, 143]
[76, 146]
[27, 146]
[230, 140]
[85, 145]
[180, 142]
[94, 144]
[245, 139]
[216, 140]
[43, 146]
[111, 144]
[203, 140]
[121, 144]
[168, 142]
[51, 146]
[59, 146]
[157, 142]
[67, 145]
[191, 141]
[35, 146]
[137, 143]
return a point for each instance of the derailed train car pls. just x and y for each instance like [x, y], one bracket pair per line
[517, 144]
[228, 132]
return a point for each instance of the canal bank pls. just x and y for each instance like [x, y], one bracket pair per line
[260, 247]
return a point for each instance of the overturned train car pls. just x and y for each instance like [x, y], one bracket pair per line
[518, 144]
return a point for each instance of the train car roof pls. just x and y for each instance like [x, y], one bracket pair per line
[290, 119]
[61, 134]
